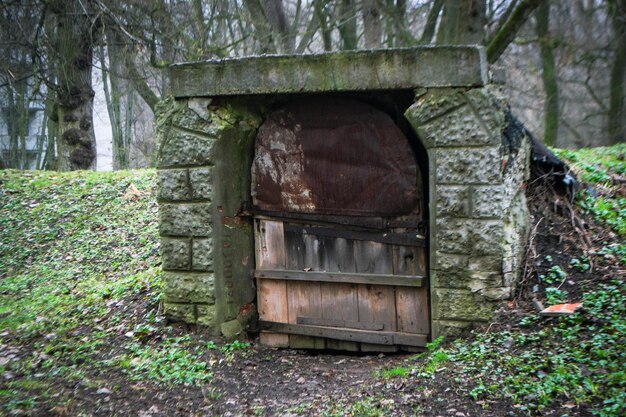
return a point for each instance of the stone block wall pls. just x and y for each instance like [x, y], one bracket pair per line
[203, 182]
[478, 214]
[477, 210]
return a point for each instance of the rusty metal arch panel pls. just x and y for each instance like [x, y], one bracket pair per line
[331, 155]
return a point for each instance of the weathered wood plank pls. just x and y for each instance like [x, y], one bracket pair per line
[339, 299]
[373, 257]
[342, 277]
[360, 222]
[413, 314]
[270, 245]
[339, 302]
[376, 302]
[344, 252]
[304, 298]
[352, 335]
[294, 250]
[388, 237]
[271, 294]
[272, 299]
[340, 323]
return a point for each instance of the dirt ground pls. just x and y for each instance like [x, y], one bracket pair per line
[283, 382]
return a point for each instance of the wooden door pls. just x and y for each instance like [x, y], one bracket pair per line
[340, 245]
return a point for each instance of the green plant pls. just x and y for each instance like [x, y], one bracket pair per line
[614, 250]
[174, 361]
[554, 275]
[397, 372]
[611, 211]
[581, 264]
[578, 358]
[435, 358]
[528, 321]
[235, 346]
[555, 296]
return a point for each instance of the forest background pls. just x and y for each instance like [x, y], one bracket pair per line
[564, 62]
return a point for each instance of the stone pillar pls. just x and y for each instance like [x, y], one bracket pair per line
[204, 160]
[478, 215]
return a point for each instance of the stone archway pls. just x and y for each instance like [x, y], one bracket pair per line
[477, 212]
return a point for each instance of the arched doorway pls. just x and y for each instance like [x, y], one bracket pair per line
[340, 253]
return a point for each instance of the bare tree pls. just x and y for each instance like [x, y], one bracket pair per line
[550, 83]
[22, 110]
[372, 24]
[616, 114]
[508, 25]
[75, 27]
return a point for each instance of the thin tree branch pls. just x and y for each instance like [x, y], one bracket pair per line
[505, 34]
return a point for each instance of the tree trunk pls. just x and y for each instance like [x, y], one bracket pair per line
[472, 22]
[262, 28]
[507, 28]
[616, 122]
[322, 15]
[275, 13]
[116, 86]
[549, 76]
[74, 106]
[431, 22]
[347, 24]
[462, 22]
[372, 25]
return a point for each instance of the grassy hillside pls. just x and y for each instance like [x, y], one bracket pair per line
[81, 331]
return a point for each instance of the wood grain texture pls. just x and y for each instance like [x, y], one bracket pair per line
[271, 294]
[411, 303]
[304, 298]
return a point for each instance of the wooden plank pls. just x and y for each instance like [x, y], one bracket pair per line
[270, 245]
[388, 237]
[376, 302]
[294, 249]
[329, 261]
[377, 305]
[353, 335]
[339, 302]
[413, 311]
[373, 258]
[363, 222]
[271, 294]
[344, 252]
[341, 277]
[311, 253]
[339, 323]
[272, 298]
[304, 298]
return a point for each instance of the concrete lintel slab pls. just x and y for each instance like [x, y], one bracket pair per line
[406, 68]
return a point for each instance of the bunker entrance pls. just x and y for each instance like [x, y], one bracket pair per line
[340, 236]
[313, 213]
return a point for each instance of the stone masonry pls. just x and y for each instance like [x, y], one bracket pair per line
[477, 212]
[203, 182]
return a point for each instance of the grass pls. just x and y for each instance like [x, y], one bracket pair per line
[80, 288]
[602, 168]
[576, 361]
[571, 363]
[77, 258]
